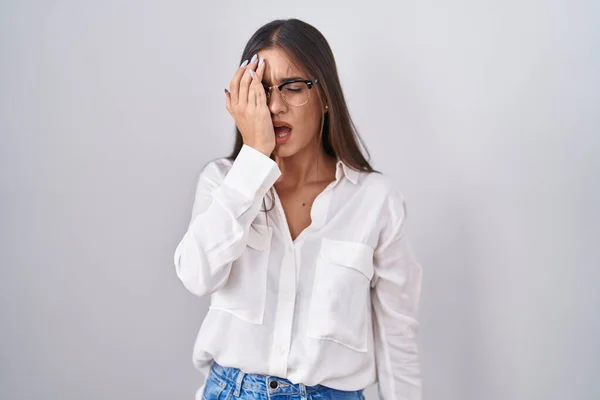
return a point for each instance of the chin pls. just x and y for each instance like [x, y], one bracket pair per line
[284, 151]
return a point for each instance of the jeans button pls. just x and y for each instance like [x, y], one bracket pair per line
[273, 384]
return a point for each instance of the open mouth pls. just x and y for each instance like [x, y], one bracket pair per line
[282, 131]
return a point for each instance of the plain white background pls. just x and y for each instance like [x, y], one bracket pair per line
[485, 113]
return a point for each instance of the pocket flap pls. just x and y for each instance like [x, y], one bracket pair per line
[350, 254]
[259, 236]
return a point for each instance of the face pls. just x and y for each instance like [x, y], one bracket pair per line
[304, 120]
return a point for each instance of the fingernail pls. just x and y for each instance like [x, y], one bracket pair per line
[262, 60]
[244, 64]
[226, 91]
[254, 58]
[252, 73]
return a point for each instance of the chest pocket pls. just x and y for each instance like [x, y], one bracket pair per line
[245, 292]
[340, 303]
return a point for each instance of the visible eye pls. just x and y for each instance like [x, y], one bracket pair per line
[295, 87]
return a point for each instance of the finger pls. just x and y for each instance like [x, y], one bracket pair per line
[245, 81]
[234, 85]
[260, 70]
[256, 87]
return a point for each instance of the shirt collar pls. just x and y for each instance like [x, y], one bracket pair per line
[342, 168]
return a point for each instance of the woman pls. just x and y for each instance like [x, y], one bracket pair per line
[301, 244]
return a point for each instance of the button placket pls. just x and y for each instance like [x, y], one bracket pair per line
[284, 315]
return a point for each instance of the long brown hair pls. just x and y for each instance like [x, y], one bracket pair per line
[306, 45]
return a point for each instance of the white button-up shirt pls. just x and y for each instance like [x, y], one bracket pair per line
[337, 306]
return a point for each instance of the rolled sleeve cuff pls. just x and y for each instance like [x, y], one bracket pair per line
[252, 173]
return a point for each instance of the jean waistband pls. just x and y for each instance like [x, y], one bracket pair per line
[268, 384]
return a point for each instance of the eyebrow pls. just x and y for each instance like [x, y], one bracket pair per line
[286, 80]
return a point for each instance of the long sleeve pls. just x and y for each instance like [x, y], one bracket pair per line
[222, 213]
[395, 294]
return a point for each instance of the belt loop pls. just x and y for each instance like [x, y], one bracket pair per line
[302, 391]
[238, 382]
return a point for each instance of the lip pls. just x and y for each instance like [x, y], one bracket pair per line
[280, 141]
[279, 124]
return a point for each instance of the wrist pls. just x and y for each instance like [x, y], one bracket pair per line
[266, 150]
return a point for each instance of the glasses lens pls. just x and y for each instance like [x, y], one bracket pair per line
[295, 93]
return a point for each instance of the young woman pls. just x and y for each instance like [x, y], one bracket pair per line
[300, 243]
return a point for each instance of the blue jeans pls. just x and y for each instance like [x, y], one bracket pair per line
[225, 383]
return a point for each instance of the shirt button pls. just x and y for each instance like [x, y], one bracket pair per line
[281, 351]
[262, 191]
[273, 384]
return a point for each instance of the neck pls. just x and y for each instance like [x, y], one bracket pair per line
[309, 165]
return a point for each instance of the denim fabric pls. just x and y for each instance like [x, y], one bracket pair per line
[225, 383]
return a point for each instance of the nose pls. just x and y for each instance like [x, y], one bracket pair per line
[276, 103]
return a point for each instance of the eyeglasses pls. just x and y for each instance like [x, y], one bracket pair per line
[295, 92]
